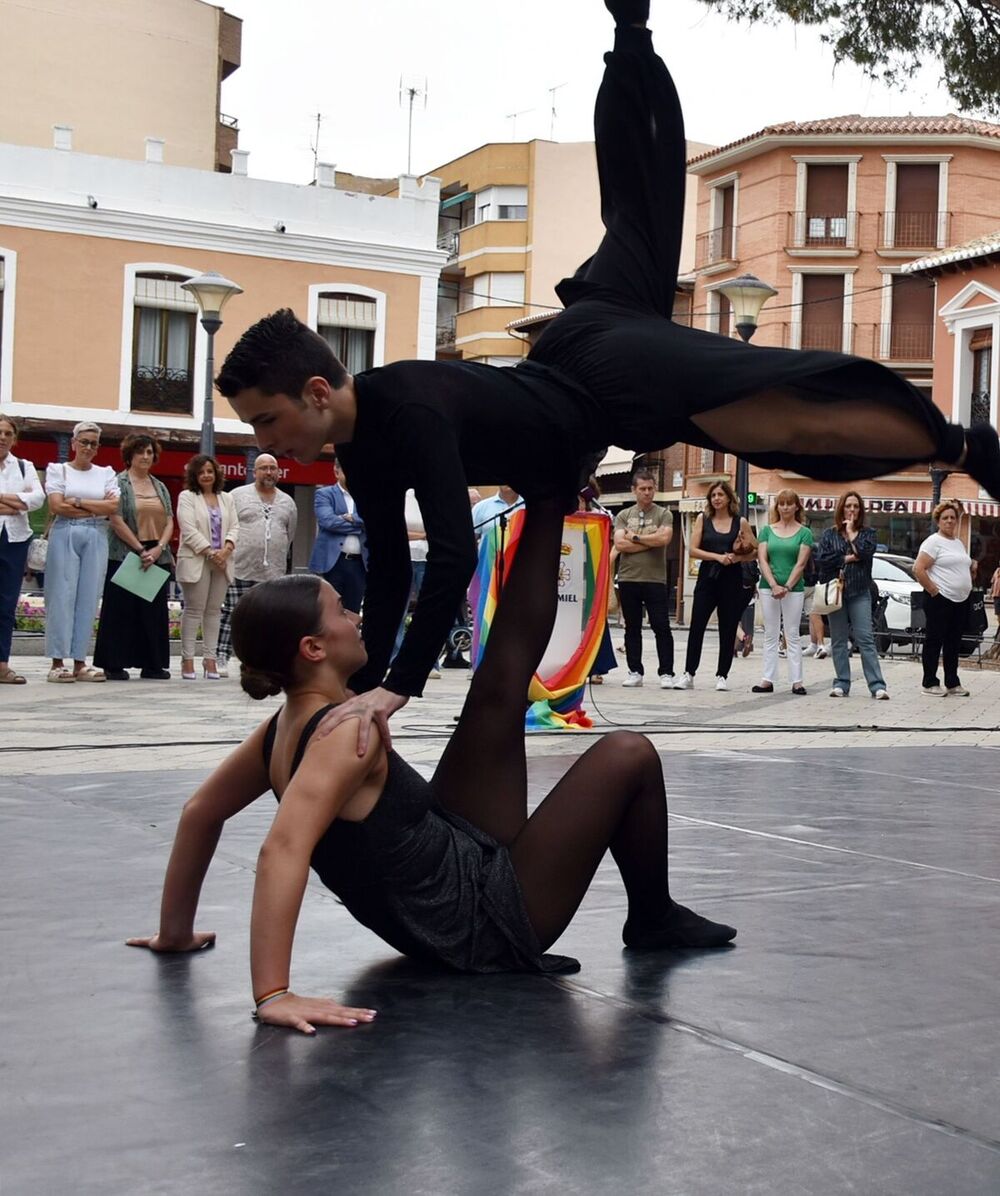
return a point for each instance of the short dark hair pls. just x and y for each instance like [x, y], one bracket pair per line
[195, 466]
[135, 442]
[268, 623]
[15, 425]
[643, 475]
[278, 355]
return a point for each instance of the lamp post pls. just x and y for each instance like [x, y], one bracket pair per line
[211, 291]
[747, 294]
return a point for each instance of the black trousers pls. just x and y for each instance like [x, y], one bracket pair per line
[946, 624]
[726, 594]
[616, 340]
[12, 561]
[653, 595]
[348, 577]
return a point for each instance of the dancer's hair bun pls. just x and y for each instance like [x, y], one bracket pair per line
[258, 684]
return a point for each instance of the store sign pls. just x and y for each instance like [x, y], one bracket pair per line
[875, 506]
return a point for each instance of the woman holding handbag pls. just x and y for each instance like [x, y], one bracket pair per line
[848, 548]
[134, 633]
[209, 529]
[20, 492]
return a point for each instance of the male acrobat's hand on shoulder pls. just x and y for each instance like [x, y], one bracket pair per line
[306, 1013]
[197, 940]
[376, 706]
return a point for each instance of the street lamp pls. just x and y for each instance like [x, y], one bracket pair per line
[747, 295]
[211, 291]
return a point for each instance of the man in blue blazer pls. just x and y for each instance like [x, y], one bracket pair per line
[340, 553]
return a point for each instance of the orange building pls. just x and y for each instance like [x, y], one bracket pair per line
[832, 213]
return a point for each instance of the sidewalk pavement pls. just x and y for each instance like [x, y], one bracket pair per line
[141, 725]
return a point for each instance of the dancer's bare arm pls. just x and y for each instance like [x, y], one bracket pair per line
[239, 780]
[330, 777]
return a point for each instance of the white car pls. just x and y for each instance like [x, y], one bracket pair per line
[893, 575]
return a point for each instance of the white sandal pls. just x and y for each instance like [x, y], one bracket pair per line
[62, 676]
[88, 674]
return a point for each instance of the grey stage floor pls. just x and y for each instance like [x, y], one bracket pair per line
[849, 1043]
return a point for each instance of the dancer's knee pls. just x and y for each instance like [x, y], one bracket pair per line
[633, 753]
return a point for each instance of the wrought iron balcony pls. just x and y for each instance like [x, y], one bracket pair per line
[446, 332]
[979, 412]
[914, 230]
[832, 337]
[716, 246]
[161, 389]
[816, 230]
[448, 241]
[903, 342]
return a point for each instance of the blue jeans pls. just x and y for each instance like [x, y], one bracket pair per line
[74, 575]
[856, 613]
[12, 558]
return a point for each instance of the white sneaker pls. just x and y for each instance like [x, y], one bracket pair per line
[722, 683]
[686, 682]
[837, 692]
[810, 651]
[935, 691]
[821, 653]
[632, 681]
[667, 681]
[957, 691]
[434, 675]
[881, 695]
[222, 668]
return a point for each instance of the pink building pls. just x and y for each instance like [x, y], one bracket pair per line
[832, 213]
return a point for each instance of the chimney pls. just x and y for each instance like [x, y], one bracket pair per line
[240, 159]
[326, 174]
[62, 137]
[154, 149]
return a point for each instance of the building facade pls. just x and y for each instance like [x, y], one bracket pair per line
[832, 213]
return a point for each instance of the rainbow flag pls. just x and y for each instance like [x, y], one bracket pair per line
[557, 689]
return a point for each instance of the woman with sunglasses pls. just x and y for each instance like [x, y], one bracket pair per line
[82, 497]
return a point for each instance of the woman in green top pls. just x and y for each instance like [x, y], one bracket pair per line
[784, 548]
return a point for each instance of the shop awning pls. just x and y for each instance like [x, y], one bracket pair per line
[454, 200]
[616, 460]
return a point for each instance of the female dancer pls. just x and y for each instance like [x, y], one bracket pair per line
[849, 548]
[722, 540]
[453, 870]
[785, 545]
[611, 368]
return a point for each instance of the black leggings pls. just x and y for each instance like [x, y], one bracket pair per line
[727, 595]
[613, 796]
[946, 624]
[828, 415]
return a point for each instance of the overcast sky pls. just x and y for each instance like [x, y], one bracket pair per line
[485, 60]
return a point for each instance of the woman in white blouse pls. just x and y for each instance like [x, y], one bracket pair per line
[209, 527]
[82, 496]
[947, 572]
[20, 492]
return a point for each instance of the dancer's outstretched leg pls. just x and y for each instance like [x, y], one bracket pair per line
[612, 798]
[482, 774]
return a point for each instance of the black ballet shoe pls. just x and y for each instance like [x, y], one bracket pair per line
[681, 927]
[982, 457]
[762, 689]
[628, 12]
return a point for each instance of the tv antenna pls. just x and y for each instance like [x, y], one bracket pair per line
[512, 117]
[314, 144]
[552, 113]
[410, 91]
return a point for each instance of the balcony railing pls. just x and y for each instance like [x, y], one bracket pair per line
[979, 412]
[902, 342]
[163, 390]
[446, 332]
[914, 230]
[814, 230]
[448, 241]
[832, 337]
[717, 245]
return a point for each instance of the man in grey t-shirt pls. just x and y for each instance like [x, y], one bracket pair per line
[267, 528]
[642, 534]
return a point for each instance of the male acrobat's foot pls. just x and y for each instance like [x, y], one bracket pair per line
[681, 927]
[628, 12]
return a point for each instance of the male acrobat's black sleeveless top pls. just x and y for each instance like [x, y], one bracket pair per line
[424, 880]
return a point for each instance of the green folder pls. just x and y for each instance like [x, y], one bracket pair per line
[144, 583]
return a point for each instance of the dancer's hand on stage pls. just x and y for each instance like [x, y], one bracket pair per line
[306, 1013]
[376, 706]
[195, 941]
